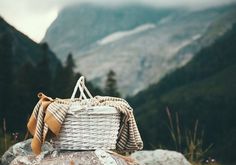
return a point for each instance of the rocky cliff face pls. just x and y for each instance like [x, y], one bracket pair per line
[141, 44]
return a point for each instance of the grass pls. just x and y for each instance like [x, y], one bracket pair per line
[5, 142]
[189, 142]
[6, 139]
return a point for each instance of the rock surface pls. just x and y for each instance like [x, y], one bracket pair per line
[70, 158]
[160, 157]
[22, 149]
[141, 44]
[21, 154]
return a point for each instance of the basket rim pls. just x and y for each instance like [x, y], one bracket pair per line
[93, 110]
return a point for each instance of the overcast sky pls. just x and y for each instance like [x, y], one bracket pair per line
[33, 17]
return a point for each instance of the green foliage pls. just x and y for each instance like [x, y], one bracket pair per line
[5, 73]
[28, 81]
[70, 64]
[203, 90]
[5, 139]
[65, 79]
[111, 85]
[27, 68]
[5, 142]
[188, 142]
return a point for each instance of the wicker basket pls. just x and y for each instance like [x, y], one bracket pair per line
[88, 127]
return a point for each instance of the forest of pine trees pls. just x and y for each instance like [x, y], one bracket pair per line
[20, 88]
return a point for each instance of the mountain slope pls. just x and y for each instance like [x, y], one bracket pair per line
[141, 44]
[79, 27]
[202, 90]
[26, 68]
[22, 49]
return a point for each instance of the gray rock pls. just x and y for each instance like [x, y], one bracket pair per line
[160, 157]
[71, 158]
[138, 57]
[22, 149]
[21, 154]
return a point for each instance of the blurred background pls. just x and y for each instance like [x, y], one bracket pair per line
[173, 60]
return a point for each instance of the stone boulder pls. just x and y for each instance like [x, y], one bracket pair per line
[21, 154]
[22, 149]
[160, 157]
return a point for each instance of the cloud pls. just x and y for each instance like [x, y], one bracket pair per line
[155, 3]
[45, 5]
[33, 17]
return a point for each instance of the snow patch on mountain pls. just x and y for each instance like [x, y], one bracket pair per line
[165, 20]
[121, 34]
[196, 37]
[140, 44]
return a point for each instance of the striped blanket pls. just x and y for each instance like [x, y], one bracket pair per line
[49, 114]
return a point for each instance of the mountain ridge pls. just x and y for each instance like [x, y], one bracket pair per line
[25, 49]
[142, 58]
[26, 68]
[202, 90]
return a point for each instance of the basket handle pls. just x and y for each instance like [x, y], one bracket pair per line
[82, 88]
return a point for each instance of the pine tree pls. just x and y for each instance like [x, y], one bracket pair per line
[6, 74]
[111, 84]
[70, 64]
[44, 75]
[65, 79]
[24, 98]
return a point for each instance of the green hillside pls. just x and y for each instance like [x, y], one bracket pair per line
[22, 49]
[204, 90]
[27, 68]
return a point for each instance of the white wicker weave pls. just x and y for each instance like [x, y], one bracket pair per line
[88, 127]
